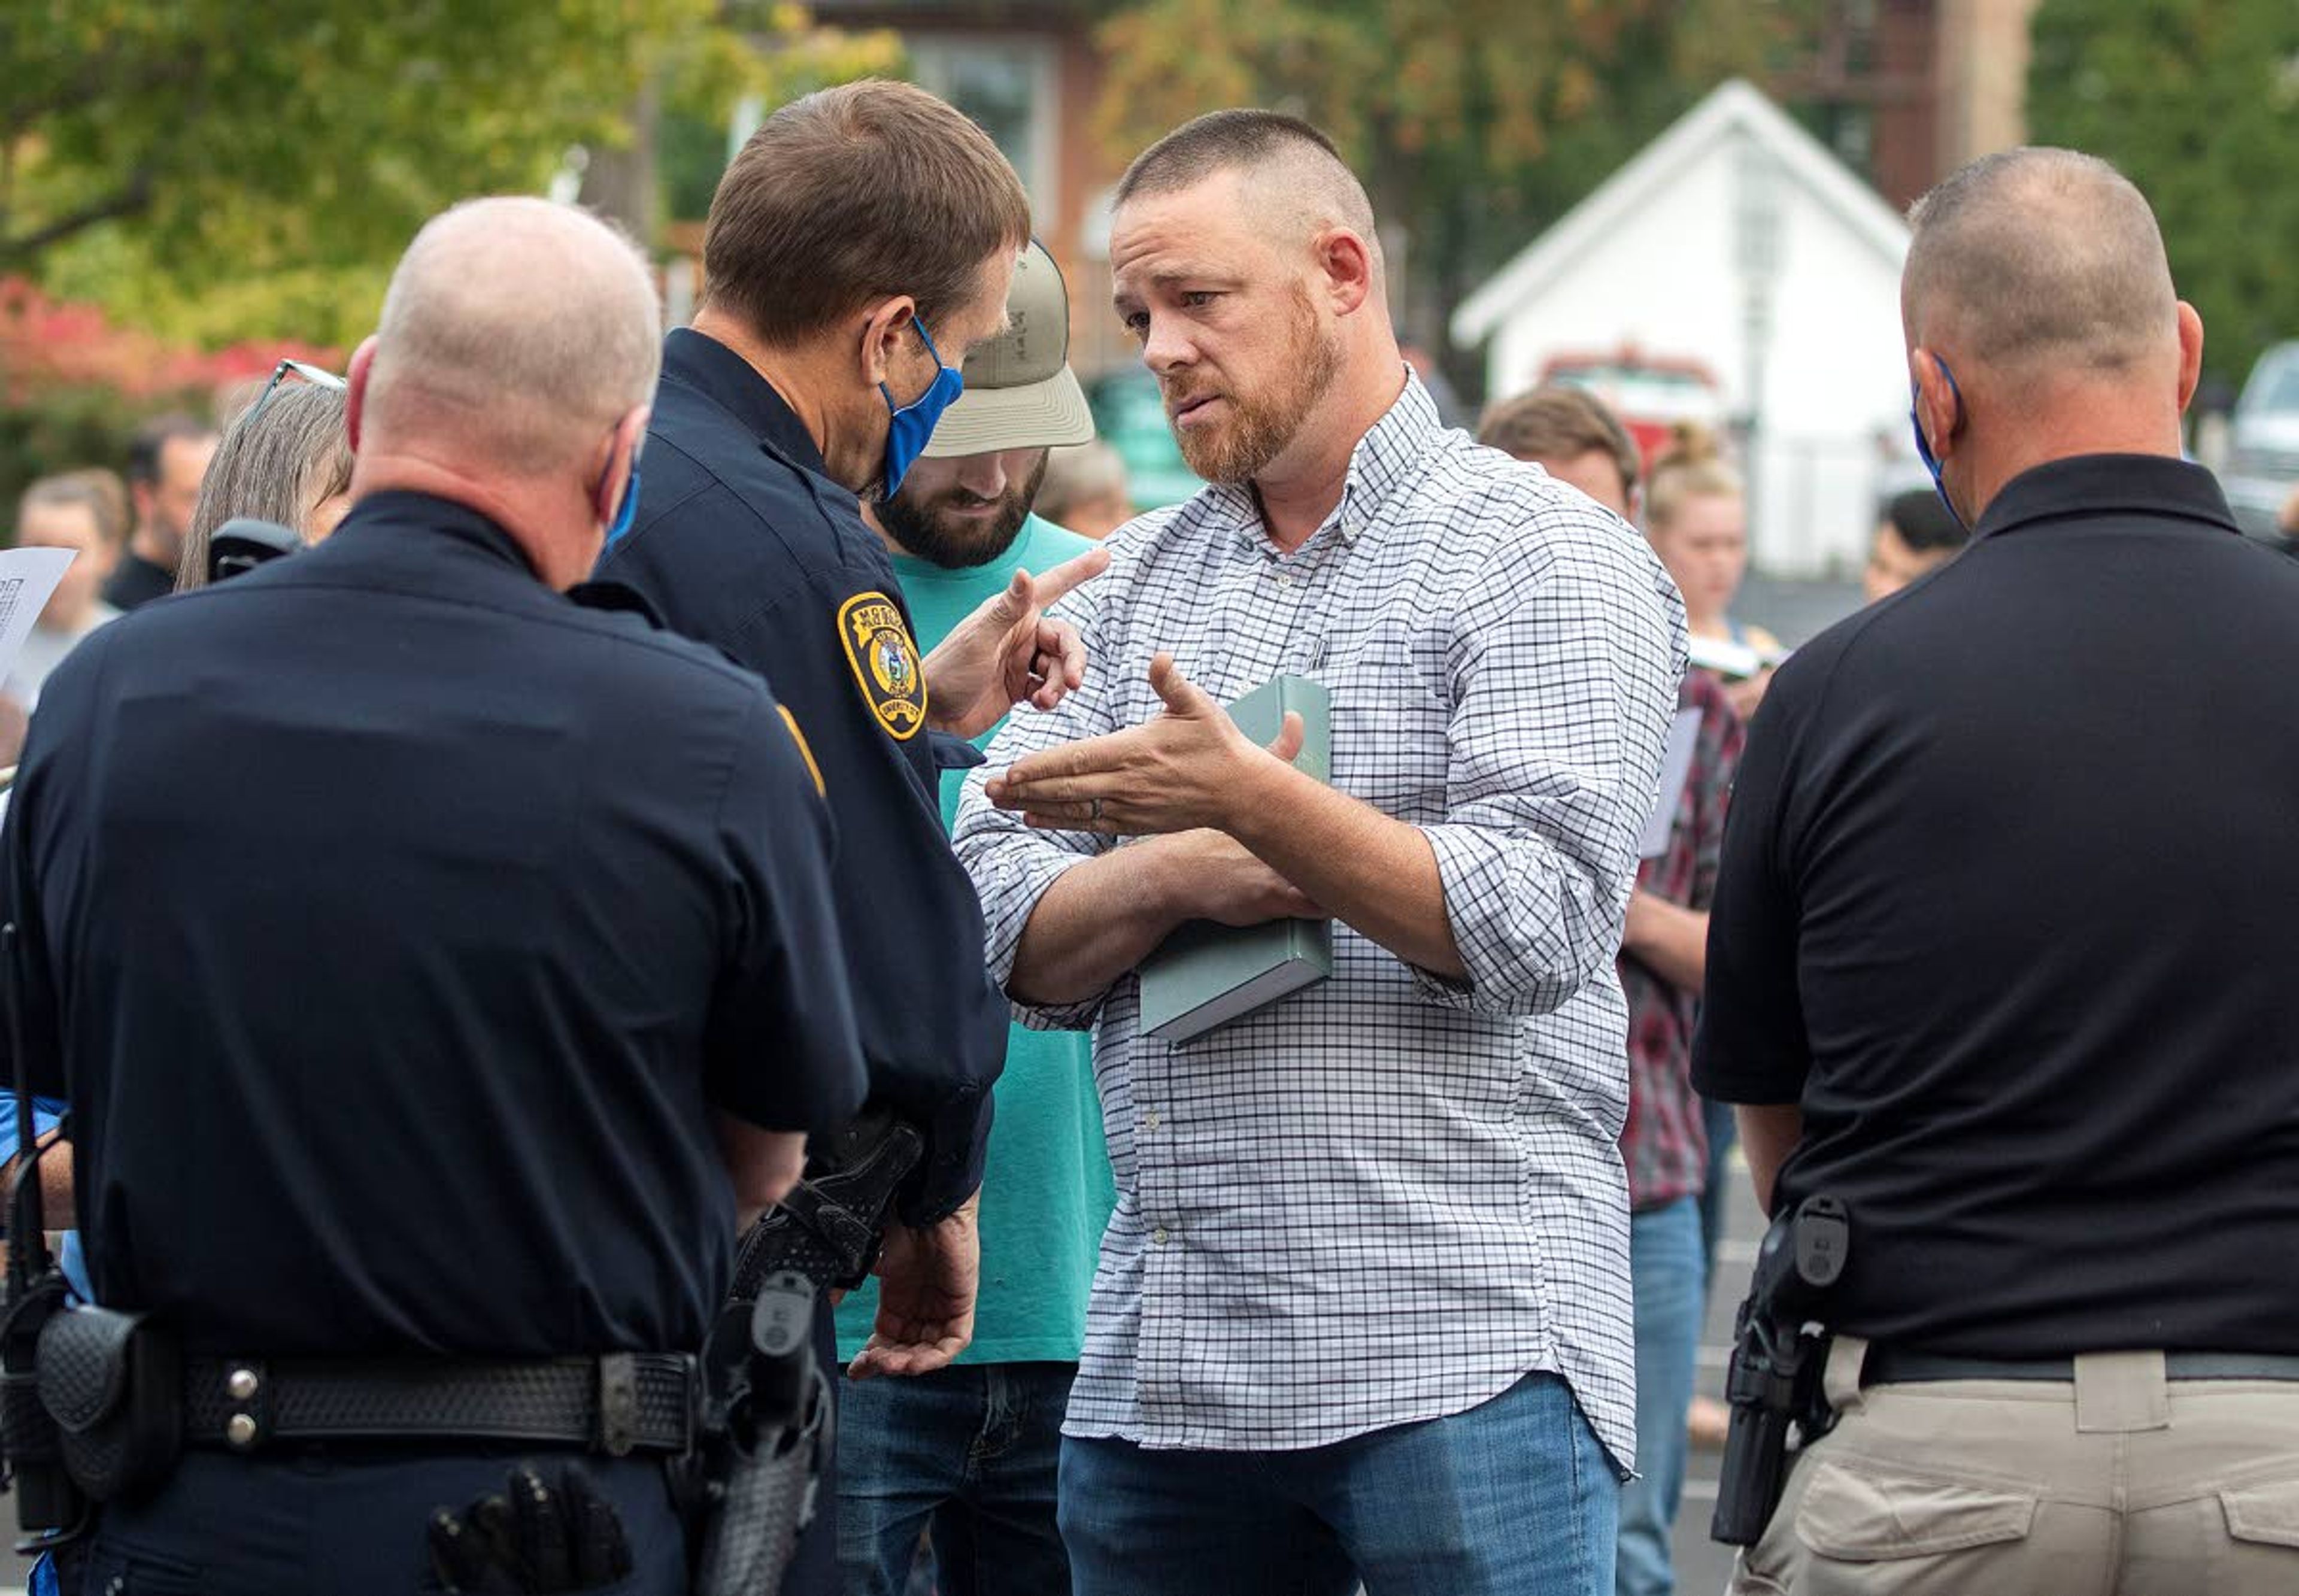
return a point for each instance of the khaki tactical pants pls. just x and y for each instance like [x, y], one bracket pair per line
[2118, 1484]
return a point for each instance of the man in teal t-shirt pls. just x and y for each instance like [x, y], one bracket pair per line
[973, 1450]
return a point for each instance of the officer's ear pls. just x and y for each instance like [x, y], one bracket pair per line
[2191, 353]
[355, 390]
[621, 462]
[884, 330]
[1938, 405]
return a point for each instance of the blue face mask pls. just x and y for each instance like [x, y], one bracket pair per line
[627, 511]
[914, 423]
[1923, 443]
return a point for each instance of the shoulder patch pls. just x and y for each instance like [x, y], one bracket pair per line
[886, 664]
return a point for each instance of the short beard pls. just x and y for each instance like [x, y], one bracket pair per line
[921, 530]
[1263, 425]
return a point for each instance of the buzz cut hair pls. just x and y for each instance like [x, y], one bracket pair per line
[1220, 141]
[1317, 184]
[2038, 257]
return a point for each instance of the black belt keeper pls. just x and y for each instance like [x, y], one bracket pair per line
[615, 1404]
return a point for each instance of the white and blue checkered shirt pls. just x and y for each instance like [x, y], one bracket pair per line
[1389, 1197]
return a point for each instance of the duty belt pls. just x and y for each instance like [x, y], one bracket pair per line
[615, 1403]
[1902, 1365]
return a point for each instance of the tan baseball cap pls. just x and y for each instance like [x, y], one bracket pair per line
[1020, 393]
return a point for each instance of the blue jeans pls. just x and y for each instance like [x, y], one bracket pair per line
[1722, 1128]
[1670, 1281]
[974, 1450]
[1512, 1497]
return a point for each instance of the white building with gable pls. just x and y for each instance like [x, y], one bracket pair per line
[1735, 243]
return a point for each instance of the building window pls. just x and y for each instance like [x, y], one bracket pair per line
[1011, 85]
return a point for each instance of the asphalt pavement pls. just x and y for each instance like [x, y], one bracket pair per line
[1703, 1567]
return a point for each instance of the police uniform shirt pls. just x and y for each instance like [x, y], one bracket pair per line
[742, 542]
[399, 924]
[2006, 905]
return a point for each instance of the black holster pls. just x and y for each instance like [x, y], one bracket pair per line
[1773, 1385]
[767, 1409]
[113, 1382]
[47, 1503]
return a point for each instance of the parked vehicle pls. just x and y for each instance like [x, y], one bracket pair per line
[1650, 394]
[2263, 463]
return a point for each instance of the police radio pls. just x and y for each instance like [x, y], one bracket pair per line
[242, 544]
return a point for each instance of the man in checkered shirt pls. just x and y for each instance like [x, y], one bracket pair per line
[1364, 1308]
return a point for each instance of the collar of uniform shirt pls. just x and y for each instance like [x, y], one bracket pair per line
[2083, 485]
[725, 377]
[1377, 464]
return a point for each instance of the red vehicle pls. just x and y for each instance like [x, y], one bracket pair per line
[1650, 394]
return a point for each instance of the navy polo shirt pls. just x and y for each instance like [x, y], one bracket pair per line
[2006, 906]
[396, 926]
[742, 542]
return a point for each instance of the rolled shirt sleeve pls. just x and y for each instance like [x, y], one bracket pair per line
[1566, 665]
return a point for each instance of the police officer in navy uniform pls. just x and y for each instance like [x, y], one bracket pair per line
[438, 969]
[860, 243]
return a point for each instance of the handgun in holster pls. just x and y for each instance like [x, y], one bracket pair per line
[1780, 1348]
[767, 1418]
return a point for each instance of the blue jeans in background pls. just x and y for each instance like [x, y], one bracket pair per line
[1512, 1498]
[973, 1450]
[1723, 1130]
[1668, 1273]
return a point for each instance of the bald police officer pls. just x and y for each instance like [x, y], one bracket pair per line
[1985, 959]
[435, 966]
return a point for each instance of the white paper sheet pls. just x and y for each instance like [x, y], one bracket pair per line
[26, 578]
[1675, 768]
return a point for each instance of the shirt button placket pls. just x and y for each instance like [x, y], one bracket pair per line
[1157, 1357]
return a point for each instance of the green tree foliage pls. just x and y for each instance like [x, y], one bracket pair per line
[1474, 122]
[2197, 102]
[222, 170]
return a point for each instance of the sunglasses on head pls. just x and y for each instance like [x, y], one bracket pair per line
[314, 375]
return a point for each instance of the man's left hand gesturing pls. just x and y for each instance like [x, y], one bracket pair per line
[1189, 768]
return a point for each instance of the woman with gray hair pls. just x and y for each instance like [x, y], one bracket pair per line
[287, 459]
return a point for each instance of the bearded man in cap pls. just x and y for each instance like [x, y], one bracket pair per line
[972, 1449]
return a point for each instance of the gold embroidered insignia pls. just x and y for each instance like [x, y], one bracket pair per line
[885, 661]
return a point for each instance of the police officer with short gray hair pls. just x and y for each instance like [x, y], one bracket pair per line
[1992, 970]
[437, 966]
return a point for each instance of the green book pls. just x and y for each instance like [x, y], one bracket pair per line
[1207, 974]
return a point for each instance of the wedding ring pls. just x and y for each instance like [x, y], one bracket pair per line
[1095, 812]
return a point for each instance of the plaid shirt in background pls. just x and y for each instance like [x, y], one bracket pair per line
[1664, 1146]
[1391, 1196]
